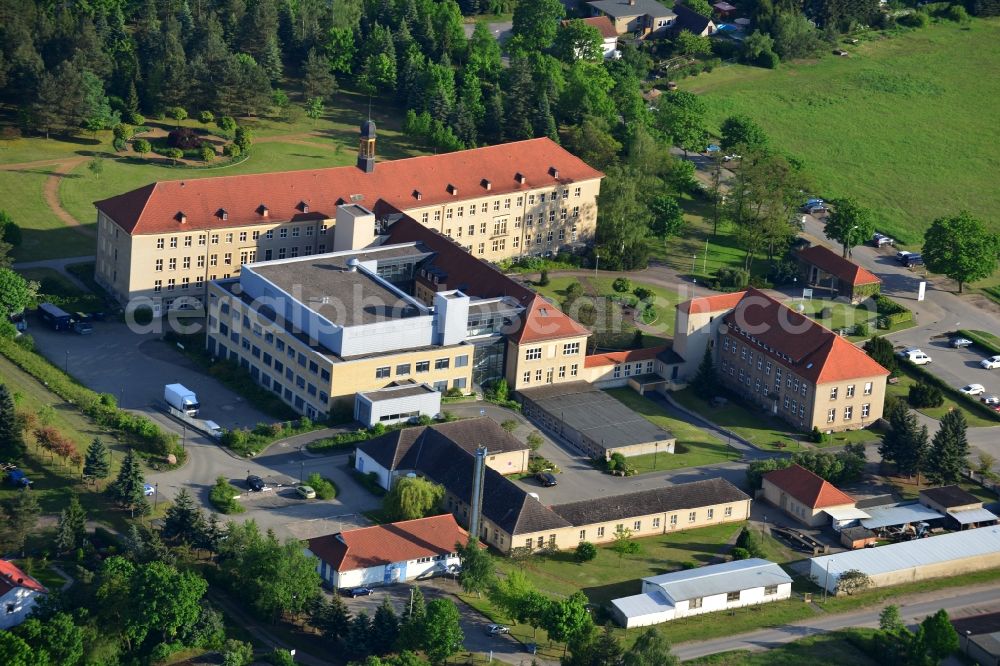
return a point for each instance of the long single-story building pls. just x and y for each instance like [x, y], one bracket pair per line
[703, 590]
[825, 270]
[909, 561]
[593, 421]
[19, 594]
[386, 554]
[804, 495]
[962, 510]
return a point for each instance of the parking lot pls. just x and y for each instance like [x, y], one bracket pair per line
[957, 367]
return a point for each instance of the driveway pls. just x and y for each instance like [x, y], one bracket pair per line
[501, 30]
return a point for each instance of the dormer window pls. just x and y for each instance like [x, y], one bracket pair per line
[487, 185]
[262, 210]
[223, 214]
[519, 177]
[303, 206]
[181, 217]
[554, 172]
[452, 190]
[418, 195]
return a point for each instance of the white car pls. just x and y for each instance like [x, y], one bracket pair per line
[991, 400]
[915, 356]
[958, 343]
[973, 389]
[991, 363]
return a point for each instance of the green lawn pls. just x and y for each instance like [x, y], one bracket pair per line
[901, 389]
[844, 315]
[44, 235]
[899, 124]
[833, 648]
[699, 448]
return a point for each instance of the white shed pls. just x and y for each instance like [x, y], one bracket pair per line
[395, 404]
[703, 590]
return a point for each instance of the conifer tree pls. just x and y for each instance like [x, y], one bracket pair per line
[97, 463]
[72, 528]
[11, 437]
[128, 489]
[946, 459]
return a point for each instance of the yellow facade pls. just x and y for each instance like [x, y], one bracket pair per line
[552, 361]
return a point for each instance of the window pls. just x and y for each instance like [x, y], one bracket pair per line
[637, 525]
[532, 353]
[673, 520]
[159, 243]
[423, 366]
[562, 372]
[482, 248]
[157, 286]
[229, 238]
[733, 596]
[833, 393]
[850, 391]
[728, 512]
[482, 227]
[831, 415]
[382, 373]
[255, 235]
[571, 348]
[243, 236]
[573, 370]
[215, 239]
[868, 388]
[692, 516]
[656, 522]
[848, 413]
[283, 232]
[527, 377]
[865, 410]
[213, 260]
[600, 532]
[201, 261]
[402, 369]
[711, 514]
[173, 264]
[538, 375]
[173, 242]
[695, 603]
[770, 590]
[186, 263]
[767, 369]
[583, 535]
[442, 364]
[269, 235]
[185, 282]
[171, 283]
[159, 264]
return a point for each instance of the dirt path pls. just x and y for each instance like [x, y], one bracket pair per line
[51, 191]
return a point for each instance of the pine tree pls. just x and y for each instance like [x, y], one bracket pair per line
[411, 626]
[317, 79]
[22, 516]
[544, 123]
[129, 488]
[211, 535]
[493, 122]
[358, 644]
[72, 529]
[184, 521]
[385, 628]
[97, 464]
[705, 382]
[946, 459]
[11, 437]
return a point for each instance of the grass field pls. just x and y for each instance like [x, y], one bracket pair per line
[899, 125]
[833, 648]
[700, 448]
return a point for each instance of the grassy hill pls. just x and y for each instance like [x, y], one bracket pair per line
[907, 125]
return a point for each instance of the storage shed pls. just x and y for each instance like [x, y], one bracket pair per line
[962, 509]
[396, 404]
[857, 537]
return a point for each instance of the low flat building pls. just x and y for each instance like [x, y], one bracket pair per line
[980, 637]
[706, 589]
[803, 495]
[906, 516]
[962, 509]
[19, 594]
[910, 561]
[593, 421]
[857, 537]
[824, 270]
[397, 404]
[387, 554]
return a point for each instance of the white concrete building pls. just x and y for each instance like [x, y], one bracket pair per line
[19, 593]
[387, 554]
[397, 404]
[703, 590]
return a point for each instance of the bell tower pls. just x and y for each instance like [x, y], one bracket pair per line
[366, 147]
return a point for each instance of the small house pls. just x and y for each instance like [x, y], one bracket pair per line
[804, 495]
[693, 22]
[826, 271]
[609, 35]
[19, 593]
[962, 510]
[723, 9]
[641, 18]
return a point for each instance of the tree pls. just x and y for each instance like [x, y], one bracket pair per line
[741, 131]
[794, 35]
[905, 442]
[141, 146]
[890, 620]
[59, 636]
[692, 45]
[478, 569]
[593, 143]
[534, 25]
[853, 580]
[411, 626]
[947, 457]
[385, 628]
[97, 463]
[576, 40]
[937, 638]
[587, 93]
[758, 468]
[849, 224]
[314, 108]
[72, 528]
[566, 619]
[177, 114]
[237, 653]
[668, 218]
[128, 490]
[412, 498]
[882, 352]
[95, 109]
[705, 382]
[21, 517]
[962, 248]
[650, 649]
[585, 552]
[243, 138]
[12, 446]
[10, 233]
[442, 632]
[96, 166]
[484, 60]
[623, 544]
[16, 293]
[161, 601]
[681, 116]
[758, 49]
[15, 652]
[184, 521]
[317, 79]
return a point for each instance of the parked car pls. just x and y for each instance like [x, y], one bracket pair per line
[148, 490]
[731, 157]
[914, 356]
[991, 363]
[881, 240]
[255, 483]
[546, 479]
[973, 389]
[840, 52]
[816, 209]
[913, 259]
[83, 327]
[306, 492]
[958, 343]
[17, 477]
[355, 592]
[496, 629]
[991, 400]
[902, 255]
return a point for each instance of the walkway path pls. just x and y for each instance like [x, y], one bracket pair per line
[60, 266]
[62, 167]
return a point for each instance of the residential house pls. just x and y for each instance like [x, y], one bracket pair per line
[609, 36]
[693, 22]
[390, 553]
[826, 271]
[803, 495]
[19, 594]
[641, 18]
[715, 587]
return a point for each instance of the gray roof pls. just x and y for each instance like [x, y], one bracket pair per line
[669, 357]
[690, 20]
[648, 603]
[899, 514]
[596, 414]
[970, 516]
[720, 579]
[856, 533]
[621, 8]
[395, 392]
[682, 496]
[950, 496]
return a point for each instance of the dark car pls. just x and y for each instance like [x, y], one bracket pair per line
[360, 592]
[913, 259]
[255, 483]
[546, 479]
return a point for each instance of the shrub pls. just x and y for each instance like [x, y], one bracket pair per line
[817, 436]
[925, 395]
[325, 488]
[173, 154]
[731, 279]
[177, 113]
[453, 392]
[232, 150]
[206, 117]
[134, 118]
[535, 441]
[223, 496]
[141, 146]
[585, 552]
[740, 553]
[243, 138]
[749, 541]
[642, 293]
[958, 14]
[226, 123]
[207, 153]
[617, 462]
[281, 658]
[237, 653]
[916, 19]
[510, 425]
[622, 285]
[862, 329]
[183, 138]
[543, 279]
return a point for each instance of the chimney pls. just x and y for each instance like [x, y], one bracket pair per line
[366, 147]
[554, 172]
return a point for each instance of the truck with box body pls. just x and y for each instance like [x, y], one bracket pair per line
[181, 398]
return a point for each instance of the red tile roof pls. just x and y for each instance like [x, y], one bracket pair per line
[11, 577]
[603, 25]
[385, 544]
[614, 358]
[844, 270]
[156, 208]
[808, 488]
[715, 303]
[544, 321]
[807, 348]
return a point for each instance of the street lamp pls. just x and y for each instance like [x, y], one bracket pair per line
[656, 449]
[694, 258]
[597, 262]
[826, 584]
[66, 366]
[156, 495]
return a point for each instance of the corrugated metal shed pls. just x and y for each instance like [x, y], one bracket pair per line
[884, 516]
[973, 516]
[846, 513]
[643, 604]
[911, 554]
[720, 578]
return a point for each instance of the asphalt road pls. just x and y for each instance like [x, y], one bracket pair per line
[958, 602]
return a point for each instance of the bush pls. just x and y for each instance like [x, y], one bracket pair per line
[862, 329]
[731, 279]
[184, 138]
[543, 279]
[509, 425]
[916, 19]
[585, 552]
[325, 488]
[740, 553]
[141, 146]
[134, 118]
[173, 154]
[958, 14]
[232, 150]
[281, 658]
[817, 436]
[925, 395]
[750, 542]
[226, 124]
[223, 496]
[206, 117]
[237, 653]
[768, 60]
[622, 285]
[642, 293]
[207, 153]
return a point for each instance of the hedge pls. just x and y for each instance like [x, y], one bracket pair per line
[969, 402]
[102, 407]
[890, 313]
[249, 442]
[992, 347]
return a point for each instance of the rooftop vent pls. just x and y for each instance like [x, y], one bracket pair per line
[352, 264]
[554, 172]
[452, 190]
[418, 195]
[487, 185]
[181, 217]
[519, 177]
[262, 210]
